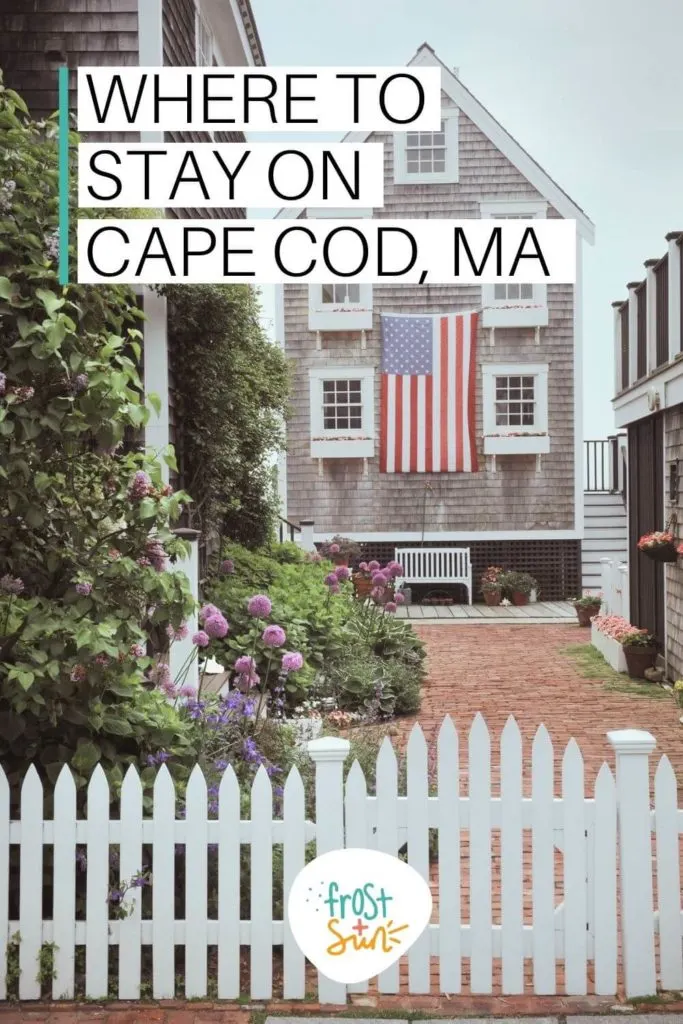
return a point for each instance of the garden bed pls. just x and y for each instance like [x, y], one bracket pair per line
[611, 649]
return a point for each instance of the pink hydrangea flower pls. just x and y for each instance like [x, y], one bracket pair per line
[274, 636]
[140, 487]
[259, 606]
[78, 674]
[102, 659]
[83, 589]
[227, 566]
[216, 626]
[200, 639]
[245, 664]
[373, 566]
[182, 631]
[292, 661]
[332, 580]
[334, 549]
[342, 572]
[399, 598]
[137, 650]
[186, 690]
[207, 610]
[379, 579]
[390, 607]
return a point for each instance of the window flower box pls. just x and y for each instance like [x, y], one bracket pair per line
[350, 447]
[340, 318]
[516, 444]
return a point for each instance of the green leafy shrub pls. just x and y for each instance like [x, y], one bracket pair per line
[86, 528]
[232, 387]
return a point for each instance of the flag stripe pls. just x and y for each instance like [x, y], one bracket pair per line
[443, 387]
[429, 425]
[414, 420]
[471, 408]
[384, 422]
[459, 411]
[427, 405]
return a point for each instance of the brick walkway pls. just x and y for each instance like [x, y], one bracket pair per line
[512, 670]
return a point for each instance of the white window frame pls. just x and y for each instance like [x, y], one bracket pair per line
[347, 316]
[495, 313]
[449, 176]
[521, 440]
[201, 21]
[342, 444]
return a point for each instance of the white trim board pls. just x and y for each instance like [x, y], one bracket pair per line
[455, 535]
[504, 142]
[633, 405]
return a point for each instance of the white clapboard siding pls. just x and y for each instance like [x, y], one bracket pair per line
[387, 832]
[64, 898]
[577, 928]
[668, 877]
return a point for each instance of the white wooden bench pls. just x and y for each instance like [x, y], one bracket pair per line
[436, 565]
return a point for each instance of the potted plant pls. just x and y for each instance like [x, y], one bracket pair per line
[640, 650]
[519, 586]
[586, 607]
[340, 550]
[491, 586]
[659, 546]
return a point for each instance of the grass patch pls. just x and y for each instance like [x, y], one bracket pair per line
[591, 665]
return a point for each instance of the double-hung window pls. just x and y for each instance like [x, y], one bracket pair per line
[515, 405]
[514, 304]
[342, 412]
[428, 158]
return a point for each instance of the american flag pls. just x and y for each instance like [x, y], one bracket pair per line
[427, 393]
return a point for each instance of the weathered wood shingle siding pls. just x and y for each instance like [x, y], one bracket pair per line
[180, 50]
[90, 32]
[516, 497]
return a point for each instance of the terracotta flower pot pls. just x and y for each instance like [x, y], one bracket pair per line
[340, 559]
[585, 613]
[519, 598]
[492, 597]
[362, 586]
[662, 553]
[638, 659]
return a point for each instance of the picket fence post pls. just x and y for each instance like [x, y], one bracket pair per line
[632, 748]
[329, 754]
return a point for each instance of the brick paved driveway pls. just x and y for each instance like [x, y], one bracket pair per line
[521, 671]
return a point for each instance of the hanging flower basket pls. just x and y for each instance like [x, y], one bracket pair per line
[659, 546]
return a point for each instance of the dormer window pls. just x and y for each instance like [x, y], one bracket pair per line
[514, 304]
[343, 294]
[341, 306]
[427, 158]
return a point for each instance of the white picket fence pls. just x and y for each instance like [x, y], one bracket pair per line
[581, 913]
[614, 586]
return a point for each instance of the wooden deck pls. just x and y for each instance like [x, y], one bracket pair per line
[552, 612]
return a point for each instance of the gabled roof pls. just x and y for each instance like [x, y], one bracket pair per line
[502, 139]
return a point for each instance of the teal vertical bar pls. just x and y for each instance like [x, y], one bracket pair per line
[63, 175]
